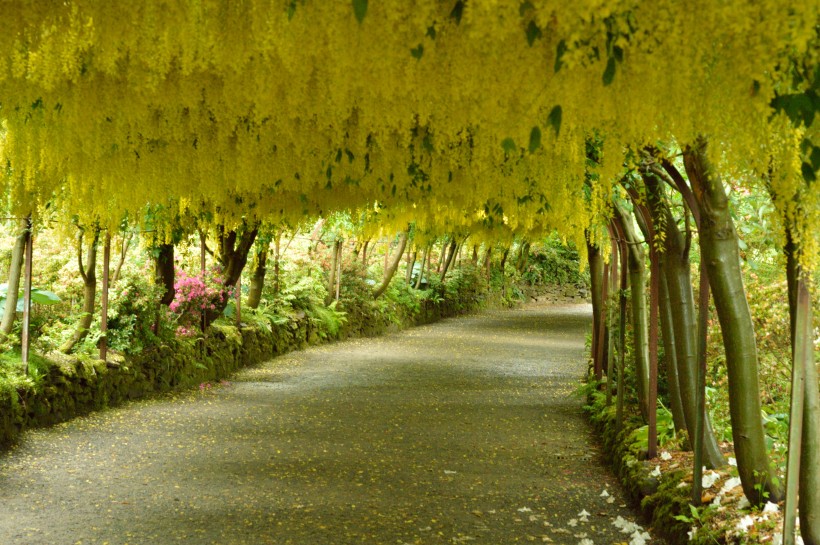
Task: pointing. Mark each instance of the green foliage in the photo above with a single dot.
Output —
(328, 319)
(665, 426)
(553, 262)
(360, 9)
(38, 296)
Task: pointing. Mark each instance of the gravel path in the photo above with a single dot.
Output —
(463, 431)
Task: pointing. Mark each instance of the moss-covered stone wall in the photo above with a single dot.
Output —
(72, 386)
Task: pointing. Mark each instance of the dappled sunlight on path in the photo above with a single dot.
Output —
(462, 431)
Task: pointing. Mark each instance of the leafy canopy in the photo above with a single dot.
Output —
(449, 112)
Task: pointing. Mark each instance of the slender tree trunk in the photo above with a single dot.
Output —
(719, 249)
(165, 272)
(233, 249)
(670, 357)
(809, 475)
(675, 266)
(611, 318)
(126, 244)
(411, 262)
(104, 298)
(89, 276)
(503, 263)
(450, 256)
(443, 256)
(391, 267)
(257, 283)
(13, 288)
(364, 255)
(339, 270)
(424, 259)
(640, 312)
(809, 500)
(523, 257)
(277, 239)
(334, 266)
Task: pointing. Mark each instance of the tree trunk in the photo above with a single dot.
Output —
(126, 243)
(443, 256)
(675, 266)
(450, 256)
(13, 288)
(165, 272)
(89, 276)
(523, 257)
(503, 263)
(364, 255)
(809, 500)
(425, 257)
(331, 277)
(392, 265)
(809, 475)
(257, 283)
(411, 262)
(277, 239)
(488, 261)
(670, 357)
(636, 264)
(233, 250)
(719, 248)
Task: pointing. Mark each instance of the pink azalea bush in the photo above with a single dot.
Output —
(195, 295)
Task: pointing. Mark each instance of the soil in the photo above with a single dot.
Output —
(465, 431)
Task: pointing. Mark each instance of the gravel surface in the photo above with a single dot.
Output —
(465, 431)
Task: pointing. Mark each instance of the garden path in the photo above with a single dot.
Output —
(465, 431)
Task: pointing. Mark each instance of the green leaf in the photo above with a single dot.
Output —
(797, 106)
(431, 31)
(808, 172)
(815, 157)
(562, 48)
(417, 52)
(533, 32)
(509, 145)
(618, 53)
(360, 9)
(44, 297)
(427, 144)
(525, 8)
(609, 73)
(535, 139)
(554, 119)
(458, 11)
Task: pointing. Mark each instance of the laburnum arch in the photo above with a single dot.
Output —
(497, 116)
(267, 107)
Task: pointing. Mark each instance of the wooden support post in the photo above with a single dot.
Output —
(622, 247)
(239, 301)
(202, 252)
(599, 356)
(25, 341)
(104, 297)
